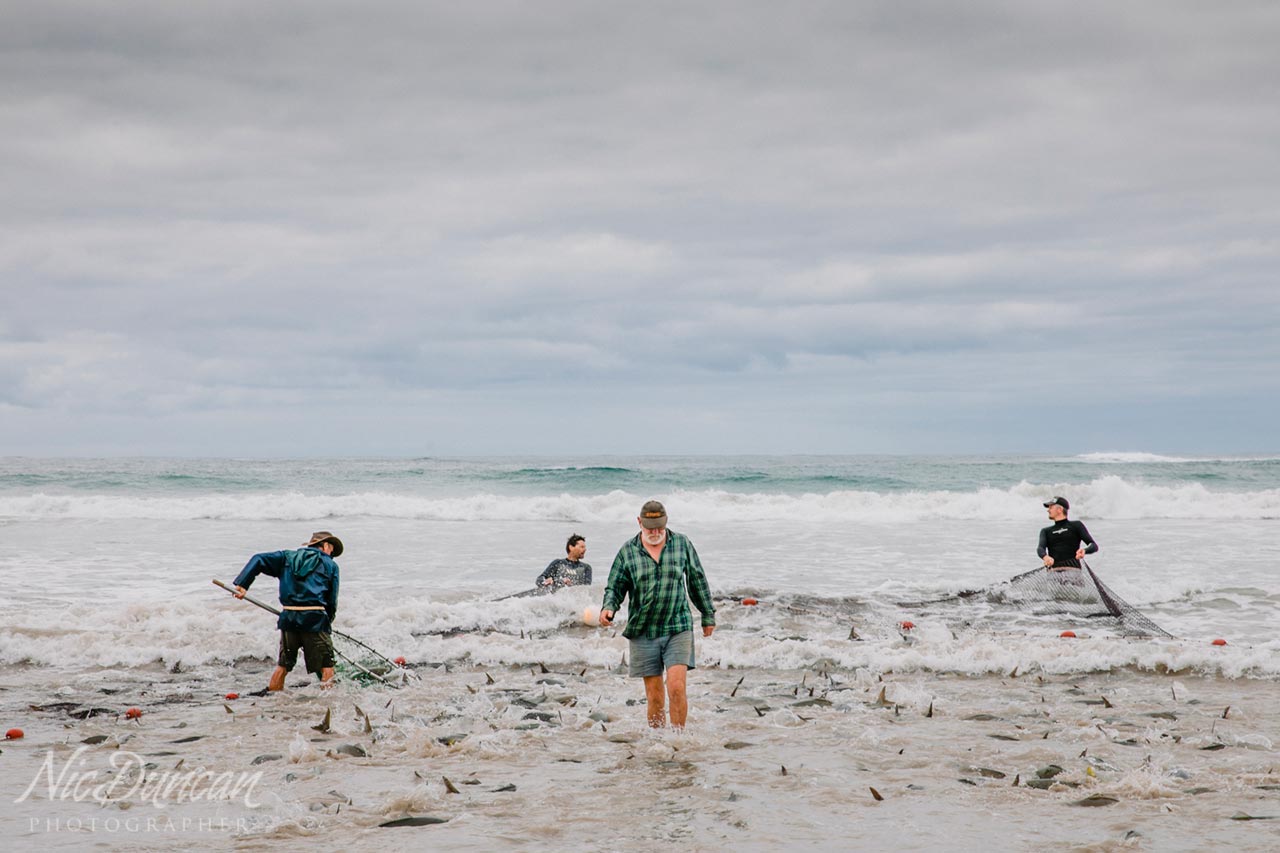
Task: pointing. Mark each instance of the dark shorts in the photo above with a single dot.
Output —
(318, 649)
(655, 655)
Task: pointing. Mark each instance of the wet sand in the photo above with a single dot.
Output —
(541, 760)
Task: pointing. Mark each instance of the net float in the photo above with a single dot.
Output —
(133, 714)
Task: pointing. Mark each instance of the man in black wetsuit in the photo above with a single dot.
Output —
(1060, 543)
(569, 570)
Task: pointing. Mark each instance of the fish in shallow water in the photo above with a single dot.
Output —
(1095, 801)
(415, 821)
(324, 724)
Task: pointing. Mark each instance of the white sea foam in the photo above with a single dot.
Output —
(1140, 458)
(1130, 458)
(525, 632)
(1103, 497)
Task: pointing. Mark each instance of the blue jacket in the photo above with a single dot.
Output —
(308, 578)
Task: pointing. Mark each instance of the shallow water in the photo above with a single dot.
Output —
(947, 776)
(114, 609)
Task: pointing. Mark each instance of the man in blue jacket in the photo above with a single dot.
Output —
(308, 601)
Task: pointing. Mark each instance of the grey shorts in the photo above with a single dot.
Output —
(655, 655)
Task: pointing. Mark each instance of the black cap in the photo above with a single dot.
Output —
(1060, 501)
(653, 515)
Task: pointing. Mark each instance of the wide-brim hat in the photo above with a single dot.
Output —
(653, 515)
(322, 536)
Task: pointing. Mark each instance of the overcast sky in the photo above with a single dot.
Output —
(247, 228)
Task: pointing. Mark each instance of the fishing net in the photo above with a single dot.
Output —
(365, 665)
(360, 668)
(863, 618)
(1078, 593)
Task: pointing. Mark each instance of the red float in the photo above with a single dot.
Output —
(1219, 642)
(750, 602)
(400, 661)
(134, 713)
(233, 695)
(14, 734)
(1071, 634)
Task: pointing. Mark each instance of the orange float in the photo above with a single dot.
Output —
(133, 714)
(14, 734)
(1070, 634)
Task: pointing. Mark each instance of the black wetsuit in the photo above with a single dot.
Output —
(1061, 540)
(565, 572)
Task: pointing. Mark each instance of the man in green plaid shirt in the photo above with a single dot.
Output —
(655, 569)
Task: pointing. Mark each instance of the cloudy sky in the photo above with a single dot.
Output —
(246, 228)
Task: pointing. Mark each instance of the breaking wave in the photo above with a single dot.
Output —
(1139, 458)
(1110, 497)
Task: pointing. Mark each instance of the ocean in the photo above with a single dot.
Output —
(109, 604)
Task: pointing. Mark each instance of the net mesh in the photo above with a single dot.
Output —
(361, 664)
(1077, 593)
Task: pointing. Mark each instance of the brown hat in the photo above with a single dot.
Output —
(325, 536)
(653, 515)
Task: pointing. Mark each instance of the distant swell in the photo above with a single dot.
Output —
(568, 471)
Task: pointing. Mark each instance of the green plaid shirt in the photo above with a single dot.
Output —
(659, 607)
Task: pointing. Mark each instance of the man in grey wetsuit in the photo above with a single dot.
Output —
(1060, 544)
(569, 570)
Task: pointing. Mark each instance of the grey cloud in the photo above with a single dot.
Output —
(211, 206)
